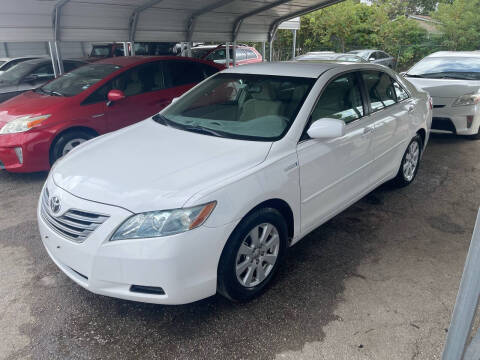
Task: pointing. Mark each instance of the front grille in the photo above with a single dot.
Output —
(75, 225)
(438, 106)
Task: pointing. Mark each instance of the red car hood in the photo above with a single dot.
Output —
(29, 104)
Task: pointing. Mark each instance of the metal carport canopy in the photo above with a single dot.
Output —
(148, 20)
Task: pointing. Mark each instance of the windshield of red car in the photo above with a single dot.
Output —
(79, 80)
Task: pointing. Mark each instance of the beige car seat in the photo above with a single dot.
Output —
(260, 104)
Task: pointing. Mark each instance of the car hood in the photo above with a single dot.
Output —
(149, 166)
(29, 104)
(446, 88)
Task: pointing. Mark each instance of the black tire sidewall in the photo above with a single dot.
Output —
(57, 148)
(228, 284)
(400, 179)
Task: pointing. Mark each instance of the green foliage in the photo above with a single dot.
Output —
(460, 21)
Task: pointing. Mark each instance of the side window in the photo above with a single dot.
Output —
(372, 56)
(141, 79)
(341, 99)
(379, 88)
(240, 54)
(180, 73)
(250, 54)
(119, 51)
(400, 92)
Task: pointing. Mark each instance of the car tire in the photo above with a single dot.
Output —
(66, 142)
(410, 162)
(244, 271)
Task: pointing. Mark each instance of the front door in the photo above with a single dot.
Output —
(334, 172)
(145, 95)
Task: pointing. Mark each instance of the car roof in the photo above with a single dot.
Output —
(287, 68)
(455, 53)
(134, 60)
(47, 60)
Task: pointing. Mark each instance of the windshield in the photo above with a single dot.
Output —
(240, 106)
(78, 80)
(102, 51)
(16, 73)
(463, 68)
(362, 53)
(317, 57)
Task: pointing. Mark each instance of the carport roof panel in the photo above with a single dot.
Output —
(163, 20)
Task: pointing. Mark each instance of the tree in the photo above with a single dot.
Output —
(460, 24)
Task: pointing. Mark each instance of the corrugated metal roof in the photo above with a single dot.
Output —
(160, 20)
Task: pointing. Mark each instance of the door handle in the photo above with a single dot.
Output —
(411, 108)
(97, 116)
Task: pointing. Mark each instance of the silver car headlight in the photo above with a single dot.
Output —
(467, 99)
(163, 223)
(23, 124)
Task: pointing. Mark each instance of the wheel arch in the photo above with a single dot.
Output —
(68, 130)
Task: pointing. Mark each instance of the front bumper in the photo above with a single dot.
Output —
(34, 149)
(183, 265)
(455, 119)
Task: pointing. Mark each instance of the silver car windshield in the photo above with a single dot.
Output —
(240, 106)
(451, 67)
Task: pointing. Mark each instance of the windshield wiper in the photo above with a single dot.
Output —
(415, 76)
(162, 120)
(203, 130)
(52, 92)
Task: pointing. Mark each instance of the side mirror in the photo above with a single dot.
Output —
(326, 128)
(115, 95)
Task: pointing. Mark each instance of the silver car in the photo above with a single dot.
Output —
(376, 57)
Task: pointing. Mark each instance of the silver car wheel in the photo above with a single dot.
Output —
(71, 144)
(411, 161)
(257, 255)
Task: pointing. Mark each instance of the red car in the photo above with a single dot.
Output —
(40, 126)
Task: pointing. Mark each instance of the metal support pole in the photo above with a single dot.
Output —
(467, 302)
(189, 48)
(132, 48)
(58, 53)
(294, 52)
(270, 45)
(227, 54)
(264, 52)
(5, 49)
(234, 54)
(53, 57)
(125, 48)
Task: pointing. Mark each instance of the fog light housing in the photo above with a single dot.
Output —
(19, 152)
(469, 121)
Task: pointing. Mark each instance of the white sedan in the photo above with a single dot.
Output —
(453, 80)
(208, 195)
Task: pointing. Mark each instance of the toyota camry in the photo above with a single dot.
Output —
(208, 195)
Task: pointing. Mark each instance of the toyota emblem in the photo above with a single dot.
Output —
(55, 204)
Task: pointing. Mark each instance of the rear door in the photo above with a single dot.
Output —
(389, 106)
(334, 172)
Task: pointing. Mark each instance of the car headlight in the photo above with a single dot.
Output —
(467, 99)
(23, 124)
(163, 223)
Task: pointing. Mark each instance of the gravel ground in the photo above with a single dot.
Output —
(376, 282)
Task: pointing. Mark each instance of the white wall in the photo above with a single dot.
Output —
(68, 49)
